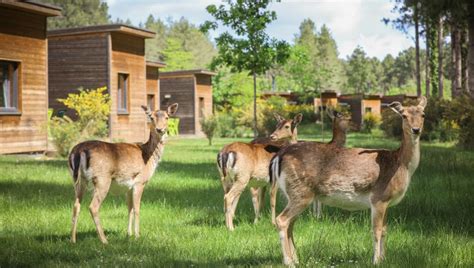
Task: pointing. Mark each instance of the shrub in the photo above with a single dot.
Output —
(92, 108)
(461, 111)
(370, 121)
(209, 125)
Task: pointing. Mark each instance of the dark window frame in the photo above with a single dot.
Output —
(13, 68)
(125, 92)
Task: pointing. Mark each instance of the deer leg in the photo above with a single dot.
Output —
(130, 212)
(137, 196)
(285, 222)
(230, 202)
(382, 240)
(317, 209)
(258, 194)
(273, 196)
(226, 186)
(378, 214)
(101, 188)
(79, 193)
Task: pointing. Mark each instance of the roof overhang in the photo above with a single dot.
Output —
(156, 64)
(120, 28)
(187, 72)
(33, 7)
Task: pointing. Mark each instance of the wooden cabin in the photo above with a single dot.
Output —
(153, 84)
(192, 89)
(328, 98)
(402, 98)
(23, 76)
(97, 56)
(360, 104)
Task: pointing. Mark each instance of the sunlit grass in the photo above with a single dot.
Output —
(182, 221)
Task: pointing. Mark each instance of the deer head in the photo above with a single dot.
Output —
(340, 120)
(413, 116)
(159, 118)
(286, 128)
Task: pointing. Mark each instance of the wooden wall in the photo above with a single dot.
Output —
(375, 105)
(181, 89)
(23, 39)
(152, 84)
(128, 56)
(76, 61)
(203, 90)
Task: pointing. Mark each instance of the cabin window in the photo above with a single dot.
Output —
(9, 86)
(201, 107)
(122, 94)
(368, 110)
(150, 101)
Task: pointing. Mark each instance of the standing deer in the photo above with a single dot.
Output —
(121, 167)
(341, 123)
(352, 179)
(241, 164)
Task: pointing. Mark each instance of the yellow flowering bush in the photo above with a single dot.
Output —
(93, 108)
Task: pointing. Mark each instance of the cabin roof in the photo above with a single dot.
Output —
(130, 30)
(157, 64)
(187, 72)
(33, 7)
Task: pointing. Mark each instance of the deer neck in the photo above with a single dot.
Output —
(409, 152)
(154, 144)
(338, 137)
(294, 137)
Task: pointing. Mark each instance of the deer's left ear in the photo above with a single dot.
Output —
(144, 108)
(278, 117)
(422, 102)
(172, 109)
(396, 107)
(297, 119)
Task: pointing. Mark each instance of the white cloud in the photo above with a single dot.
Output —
(351, 22)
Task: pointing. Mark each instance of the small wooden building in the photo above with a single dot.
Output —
(328, 98)
(97, 56)
(153, 84)
(387, 99)
(360, 104)
(23, 76)
(192, 89)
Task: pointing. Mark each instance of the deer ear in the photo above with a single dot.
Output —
(422, 102)
(278, 117)
(144, 108)
(330, 113)
(396, 107)
(172, 109)
(297, 119)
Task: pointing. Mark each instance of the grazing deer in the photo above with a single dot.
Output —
(348, 178)
(121, 167)
(341, 123)
(241, 164)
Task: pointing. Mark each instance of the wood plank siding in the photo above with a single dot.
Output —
(180, 90)
(95, 56)
(192, 89)
(23, 41)
(128, 57)
(77, 61)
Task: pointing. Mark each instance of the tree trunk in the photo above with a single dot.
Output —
(427, 63)
(464, 61)
(470, 63)
(433, 60)
(440, 59)
(456, 85)
(417, 50)
(255, 131)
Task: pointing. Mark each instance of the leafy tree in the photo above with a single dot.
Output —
(79, 13)
(176, 58)
(250, 49)
(154, 47)
(328, 59)
(358, 72)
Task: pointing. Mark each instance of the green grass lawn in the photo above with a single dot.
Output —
(182, 219)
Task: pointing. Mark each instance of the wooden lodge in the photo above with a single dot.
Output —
(106, 55)
(23, 76)
(153, 84)
(192, 89)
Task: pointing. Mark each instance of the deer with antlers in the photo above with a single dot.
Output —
(121, 167)
(241, 164)
(348, 178)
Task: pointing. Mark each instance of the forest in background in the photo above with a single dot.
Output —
(313, 65)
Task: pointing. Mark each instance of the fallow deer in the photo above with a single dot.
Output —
(120, 167)
(348, 178)
(341, 123)
(241, 164)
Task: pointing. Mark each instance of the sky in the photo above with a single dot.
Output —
(352, 22)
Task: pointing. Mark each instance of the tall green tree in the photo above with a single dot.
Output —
(154, 47)
(79, 13)
(358, 72)
(176, 58)
(250, 48)
(328, 60)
